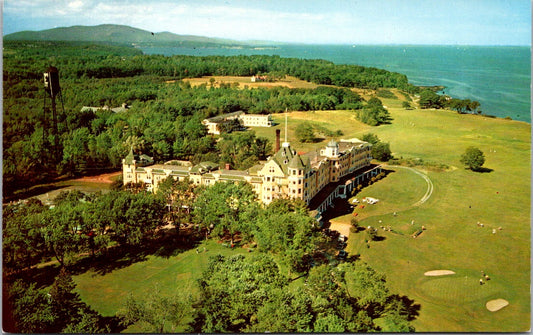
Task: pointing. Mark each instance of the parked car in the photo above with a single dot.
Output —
(341, 245)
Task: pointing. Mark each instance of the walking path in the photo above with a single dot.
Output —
(429, 190)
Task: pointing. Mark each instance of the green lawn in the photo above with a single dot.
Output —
(107, 293)
(452, 240)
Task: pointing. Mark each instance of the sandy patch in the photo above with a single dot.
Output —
(103, 178)
(342, 228)
(439, 273)
(497, 304)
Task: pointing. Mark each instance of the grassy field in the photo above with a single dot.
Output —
(452, 240)
(243, 82)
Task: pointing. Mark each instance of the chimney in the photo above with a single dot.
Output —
(278, 132)
(228, 166)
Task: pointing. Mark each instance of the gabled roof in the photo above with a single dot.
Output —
(234, 178)
(223, 117)
(179, 173)
(145, 159)
(204, 167)
(283, 157)
(297, 163)
(255, 169)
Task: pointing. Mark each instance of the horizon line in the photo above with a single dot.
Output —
(256, 41)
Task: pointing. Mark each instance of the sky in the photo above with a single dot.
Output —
(465, 22)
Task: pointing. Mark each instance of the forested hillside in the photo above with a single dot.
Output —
(164, 118)
(117, 34)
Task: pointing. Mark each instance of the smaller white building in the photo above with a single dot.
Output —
(247, 120)
(256, 120)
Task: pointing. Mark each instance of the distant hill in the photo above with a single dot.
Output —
(117, 34)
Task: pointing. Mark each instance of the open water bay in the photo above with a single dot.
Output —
(499, 77)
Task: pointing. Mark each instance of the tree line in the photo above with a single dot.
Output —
(430, 99)
(126, 62)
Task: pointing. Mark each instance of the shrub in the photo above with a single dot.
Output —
(384, 93)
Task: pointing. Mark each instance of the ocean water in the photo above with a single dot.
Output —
(499, 77)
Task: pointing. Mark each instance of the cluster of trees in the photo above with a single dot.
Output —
(430, 99)
(243, 150)
(54, 310)
(307, 132)
(228, 209)
(374, 113)
(380, 150)
(76, 224)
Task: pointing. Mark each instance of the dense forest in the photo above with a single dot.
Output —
(164, 118)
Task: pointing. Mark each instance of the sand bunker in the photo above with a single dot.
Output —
(439, 273)
(497, 304)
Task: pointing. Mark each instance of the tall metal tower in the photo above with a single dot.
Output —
(52, 91)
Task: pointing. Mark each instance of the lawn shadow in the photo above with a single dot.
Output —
(41, 276)
(317, 139)
(107, 261)
(340, 207)
(24, 193)
(483, 170)
(164, 244)
(409, 306)
(379, 238)
(113, 323)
